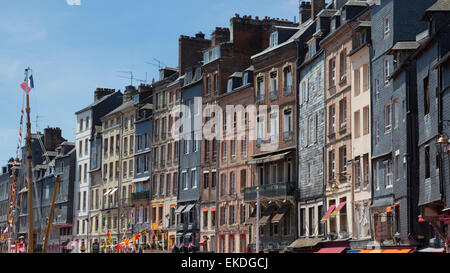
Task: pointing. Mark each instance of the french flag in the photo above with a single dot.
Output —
(30, 84)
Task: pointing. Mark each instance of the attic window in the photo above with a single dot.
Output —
(274, 39)
(230, 85)
(245, 81)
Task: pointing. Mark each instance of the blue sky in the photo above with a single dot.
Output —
(75, 49)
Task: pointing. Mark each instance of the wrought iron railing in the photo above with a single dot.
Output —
(269, 190)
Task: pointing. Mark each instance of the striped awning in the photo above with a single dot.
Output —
(329, 211)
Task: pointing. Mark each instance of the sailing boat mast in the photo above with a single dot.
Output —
(30, 170)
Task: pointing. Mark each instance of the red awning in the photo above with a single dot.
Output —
(213, 209)
(205, 209)
(331, 250)
(341, 205)
(330, 210)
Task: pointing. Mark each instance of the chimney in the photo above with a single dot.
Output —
(129, 92)
(52, 138)
(200, 35)
(220, 35)
(316, 7)
(190, 50)
(99, 93)
(305, 12)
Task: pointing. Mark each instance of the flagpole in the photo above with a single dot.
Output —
(30, 174)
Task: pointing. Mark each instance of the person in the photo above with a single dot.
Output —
(83, 247)
(95, 246)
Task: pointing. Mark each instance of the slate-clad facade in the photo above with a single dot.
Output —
(394, 132)
(433, 80)
(190, 170)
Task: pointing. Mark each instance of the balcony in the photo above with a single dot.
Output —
(110, 205)
(140, 196)
(287, 90)
(278, 190)
(273, 94)
(181, 227)
(288, 135)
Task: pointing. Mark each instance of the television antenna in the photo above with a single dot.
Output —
(131, 76)
(156, 63)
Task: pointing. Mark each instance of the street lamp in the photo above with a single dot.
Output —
(258, 211)
(442, 144)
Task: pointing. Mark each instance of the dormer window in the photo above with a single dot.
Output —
(245, 80)
(230, 85)
(206, 57)
(312, 49)
(274, 39)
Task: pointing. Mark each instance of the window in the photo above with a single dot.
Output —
(308, 172)
(357, 84)
(287, 78)
(185, 180)
(366, 77)
(273, 39)
(386, 26)
(233, 149)
(194, 178)
(224, 151)
(311, 221)
(332, 75)
(357, 124)
(377, 89)
(343, 159)
(387, 173)
(357, 173)
(216, 81)
(377, 132)
(205, 180)
(273, 85)
(302, 222)
(343, 65)
(397, 167)
(331, 165)
(426, 100)
(396, 113)
(387, 71)
(230, 85)
(332, 118)
(312, 127)
(245, 79)
(287, 123)
(366, 120)
(343, 113)
(273, 127)
(232, 215)
(260, 89)
(223, 182)
(232, 183)
(242, 214)
(427, 162)
(387, 117)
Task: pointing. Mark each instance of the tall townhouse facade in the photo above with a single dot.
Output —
(111, 144)
(235, 173)
(188, 202)
(433, 79)
(89, 123)
(361, 139)
(140, 196)
(339, 184)
(273, 162)
(230, 52)
(126, 167)
(5, 177)
(164, 182)
(87, 118)
(311, 122)
(63, 166)
(395, 190)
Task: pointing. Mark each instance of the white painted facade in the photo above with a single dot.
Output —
(82, 177)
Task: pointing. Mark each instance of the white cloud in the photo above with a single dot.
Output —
(73, 2)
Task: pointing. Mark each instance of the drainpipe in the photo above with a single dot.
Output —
(369, 44)
(297, 126)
